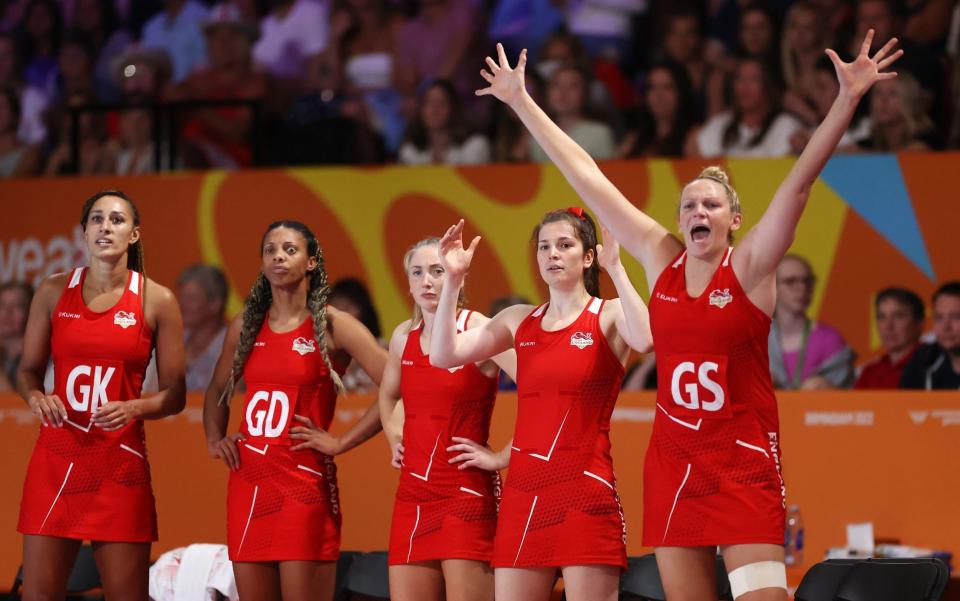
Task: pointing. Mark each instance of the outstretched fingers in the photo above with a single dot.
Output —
(502, 55)
(867, 42)
(889, 60)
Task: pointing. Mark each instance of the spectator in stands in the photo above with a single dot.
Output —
(220, 137)
(755, 126)
(293, 37)
(801, 49)
(666, 116)
(94, 156)
(758, 36)
(438, 133)
(936, 366)
(604, 26)
(177, 31)
(511, 144)
(16, 158)
(822, 92)
(900, 316)
(33, 100)
(15, 300)
(929, 22)
(898, 121)
(804, 354)
(133, 151)
(142, 74)
(568, 106)
(350, 295)
(76, 64)
(97, 22)
(684, 43)
(40, 33)
(438, 44)
(202, 292)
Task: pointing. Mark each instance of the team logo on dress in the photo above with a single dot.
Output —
(303, 345)
(581, 340)
(720, 298)
(124, 319)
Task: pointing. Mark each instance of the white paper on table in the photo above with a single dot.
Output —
(860, 537)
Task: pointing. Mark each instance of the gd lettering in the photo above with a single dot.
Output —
(261, 419)
(93, 393)
(690, 397)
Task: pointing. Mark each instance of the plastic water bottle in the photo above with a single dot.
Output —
(793, 537)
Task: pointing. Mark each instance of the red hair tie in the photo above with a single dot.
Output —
(576, 211)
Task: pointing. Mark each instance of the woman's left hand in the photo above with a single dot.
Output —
(314, 438)
(115, 415)
(857, 76)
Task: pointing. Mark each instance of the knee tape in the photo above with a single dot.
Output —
(758, 575)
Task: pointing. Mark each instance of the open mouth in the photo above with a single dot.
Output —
(699, 233)
(103, 242)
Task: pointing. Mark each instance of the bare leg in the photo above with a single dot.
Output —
(591, 582)
(468, 580)
(124, 570)
(47, 562)
(308, 580)
(524, 584)
(688, 573)
(735, 556)
(422, 581)
(257, 581)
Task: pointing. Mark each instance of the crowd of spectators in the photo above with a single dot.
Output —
(370, 81)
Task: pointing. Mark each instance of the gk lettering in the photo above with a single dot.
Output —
(93, 394)
(260, 420)
(690, 397)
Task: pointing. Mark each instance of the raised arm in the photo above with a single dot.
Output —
(643, 237)
(170, 397)
(766, 243)
(633, 319)
(447, 347)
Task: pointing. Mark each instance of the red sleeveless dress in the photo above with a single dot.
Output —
(712, 471)
(442, 512)
(560, 504)
(281, 504)
(82, 482)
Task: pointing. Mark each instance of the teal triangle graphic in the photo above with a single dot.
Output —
(873, 186)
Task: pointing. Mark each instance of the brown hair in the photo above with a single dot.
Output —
(258, 303)
(407, 257)
(586, 231)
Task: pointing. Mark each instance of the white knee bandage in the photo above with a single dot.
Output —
(755, 576)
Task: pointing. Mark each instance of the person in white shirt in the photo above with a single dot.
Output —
(292, 39)
(438, 135)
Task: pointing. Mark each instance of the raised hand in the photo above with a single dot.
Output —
(506, 83)
(608, 253)
(857, 76)
(455, 258)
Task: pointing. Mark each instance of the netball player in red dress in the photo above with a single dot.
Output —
(560, 508)
(89, 478)
(283, 509)
(444, 518)
(712, 472)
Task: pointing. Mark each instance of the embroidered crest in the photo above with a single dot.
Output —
(124, 319)
(303, 345)
(581, 340)
(720, 298)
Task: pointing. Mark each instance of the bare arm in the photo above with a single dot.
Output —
(633, 318)
(351, 336)
(765, 244)
(216, 415)
(36, 353)
(447, 347)
(646, 239)
(389, 395)
(507, 360)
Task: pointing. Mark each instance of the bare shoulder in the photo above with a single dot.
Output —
(158, 293)
(50, 290)
(476, 319)
(398, 339)
(512, 316)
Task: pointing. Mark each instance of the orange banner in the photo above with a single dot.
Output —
(886, 458)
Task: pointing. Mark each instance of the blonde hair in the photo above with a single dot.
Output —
(715, 173)
(916, 122)
(407, 257)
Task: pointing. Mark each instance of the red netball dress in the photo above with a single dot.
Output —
(560, 504)
(442, 512)
(282, 504)
(82, 482)
(712, 471)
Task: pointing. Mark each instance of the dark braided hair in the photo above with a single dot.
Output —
(258, 303)
(586, 231)
(135, 250)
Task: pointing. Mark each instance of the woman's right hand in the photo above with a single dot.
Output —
(608, 253)
(455, 258)
(396, 459)
(472, 454)
(226, 449)
(506, 83)
(49, 408)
